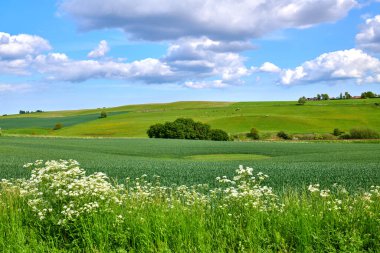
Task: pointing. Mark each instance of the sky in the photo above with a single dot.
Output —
(76, 54)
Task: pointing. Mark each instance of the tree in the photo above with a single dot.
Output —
(254, 134)
(341, 96)
(368, 94)
(103, 114)
(184, 128)
(218, 135)
(347, 95)
(325, 96)
(337, 132)
(318, 97)
(302, 100)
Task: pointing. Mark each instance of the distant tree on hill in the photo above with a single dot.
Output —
(218, 135)
(347, 95)
(325, 96)
(368, 94)
(318, 97)
(184, 128)
(302, 100)
(103, 114)
(254, 134)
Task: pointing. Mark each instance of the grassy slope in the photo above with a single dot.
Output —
(134, 120)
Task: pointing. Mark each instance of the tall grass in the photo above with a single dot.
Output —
(241, 215)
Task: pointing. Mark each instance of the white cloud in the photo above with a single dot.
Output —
(347, 64)
(216, 19)
(101, 50)
(14, 87)
(20, 46)
(58, 67)
(269, 67)
(369, 36)
(203, 57)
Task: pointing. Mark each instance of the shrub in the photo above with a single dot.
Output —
(58, 126)
(301, 100)
(363, 133)
(218, 135)
(337, 132)
(283, 135)
(103, 114)
(254, 134)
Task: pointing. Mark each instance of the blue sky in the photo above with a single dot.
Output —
(72, 54)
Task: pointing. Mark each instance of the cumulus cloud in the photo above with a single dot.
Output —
(339, 65)
(203, 57)
(269, 67)
(216, 19)
(20, 46)
(58, 67)
(369, 36)
(100, 51)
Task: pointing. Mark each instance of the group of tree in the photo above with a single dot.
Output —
(27, 112)
(186, 128)
(368, 94)
(357, 133)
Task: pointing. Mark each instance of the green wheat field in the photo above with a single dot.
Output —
(128, 193)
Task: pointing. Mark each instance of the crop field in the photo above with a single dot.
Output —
(267, 117)
(55, 207)
(289, 164)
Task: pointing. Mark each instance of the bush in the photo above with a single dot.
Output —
(301, 100)
(183, 128)
(254, 134)
(58, 126)
(283, 135)
(103, 114)
(363, 133)
(218, 135)
(337, 132)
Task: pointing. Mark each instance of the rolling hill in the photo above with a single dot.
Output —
(233, 117)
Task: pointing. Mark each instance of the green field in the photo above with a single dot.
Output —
(355, 165)
(235, 118)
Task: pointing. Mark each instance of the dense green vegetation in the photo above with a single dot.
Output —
(268, 117)
(60, 209)
(355, 165)
(182, 128)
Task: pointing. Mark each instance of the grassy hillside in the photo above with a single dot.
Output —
(134, 120)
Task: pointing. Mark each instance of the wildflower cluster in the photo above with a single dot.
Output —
(245, 191)
(61, 191)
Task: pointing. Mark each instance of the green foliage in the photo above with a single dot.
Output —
(364, 133)
(337, 132)
(185, 128)
(103, 114)
(240, 214)
(302, 100)
(254, 134)
(218, 135)
(284, 135)
(325, 96)
(58, 126)
(368, 94)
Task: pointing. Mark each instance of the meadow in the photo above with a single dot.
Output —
(235, 118)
